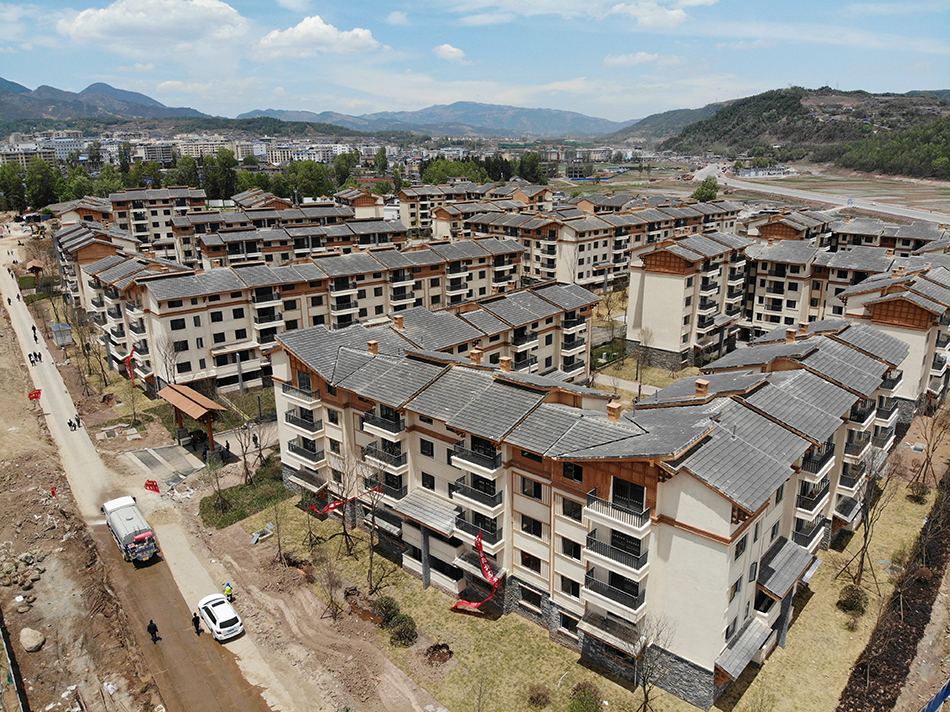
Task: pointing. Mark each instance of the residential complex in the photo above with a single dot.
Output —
(701, 510)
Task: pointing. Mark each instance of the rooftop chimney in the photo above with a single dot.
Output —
(790, 335)
(476, 356)
(702, 388)
(505, 362)
(802, 329)
(890, 252)
(372, 347)
(399, 322)
(613, 412)
(771, 243)
(898, 271)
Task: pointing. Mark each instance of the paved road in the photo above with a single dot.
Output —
(860, 203)
(191, 673)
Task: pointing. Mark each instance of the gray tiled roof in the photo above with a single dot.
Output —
(500, 247)
(552, 379)
(814, 389)
(496, 410)
(392, 259)
(345, 265)
(684, 390)
(103, 264)
(436, 330)
(862, 258)
(785, 251)
(392, 380)
(924, 303)
(430, 510)
(821, 326)
(121, 270)
(567, 296)
(519, 308)
(845, 366)
(461, 250)
(875, 342)
(743, 647)
(782, 565)
(451, 392)
(802, 415)
(761, 355)
(485, 322)
(319, 347)
(423, 257)
(184, 287)
(932, 291)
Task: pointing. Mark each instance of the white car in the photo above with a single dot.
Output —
(220, 617)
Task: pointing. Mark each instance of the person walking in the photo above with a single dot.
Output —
(153, 631)
(229, 592)
(196, 622)
(70, 424)
(36, 339)
(78, 422)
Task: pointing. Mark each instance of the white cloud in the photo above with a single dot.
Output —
(311, 36)
(652, 15)
(756, 44)
(884, 9)
(141, 26)
(449, 53)
(630, 60)
(487, 18)
(295, 5)
(138, 67)
(397, 18)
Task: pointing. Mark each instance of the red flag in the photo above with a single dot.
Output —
(333, 506)
(489, 576)
(128, 365)
(54, 491)
(35, 394)
(151, 486)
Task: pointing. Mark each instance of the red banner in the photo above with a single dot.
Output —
(53, 491)
(35, 394)
(128, 366)
(333, 506)
(151, 486)
(489, 576)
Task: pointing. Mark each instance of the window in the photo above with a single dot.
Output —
(573, 472)
(427, 448)
(775, 531)
(334, 446)
(331, 390)
(448, 455)
(779, 493)
(532, 598)
(548, 362)
(237, 313)
(528, 455)
(570, 548)
(735, 589)
(197, 320)
(571, 588)
(336, 475)
(428, 481)
(549, 339)
(569, 623)
(379, 308)
(290, 325)
(177, 324)
(377, 291)
(434, 282)
(180, 346)
(316, 301)
(290, 305)
(240, 334)
(217, 316)
(184, 367)
(755, 531)
(211, 297)
(530, 526)
(175, 303)
(333, 416)
(218, 338)
(530, 488)
(753, 571)
(194, 301)
(571, 509)
(530, 561)
(740, 547)
(731, 630)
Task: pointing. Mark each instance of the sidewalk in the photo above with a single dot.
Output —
(632, 386)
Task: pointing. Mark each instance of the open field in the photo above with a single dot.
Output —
(929, 195)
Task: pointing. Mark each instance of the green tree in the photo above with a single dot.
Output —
(125, 157)
(220, 174)
(279, 185)
(152, 175)
(440, 170)
(310, 179)
(94, 153)
(186, 172)
(12, 190)
(397, 179)
(707, 190)
(108, 181)
(382, 162)
(78, 184)
(135, 176)
(250, 161)
(343, 166)
(43, 184)
(383, 187)
(529, 168)
(72, 159)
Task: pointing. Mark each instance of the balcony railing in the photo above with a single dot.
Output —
(268, 318)
(619, 555)
(810, 501)
(860, 412)
(137, 328)
(377, 453)
(490, 461)
(850, 476)
(618, 511)
(343, 286)
(573, 343)
(457, 268)
(114, 312)
(309, 455)
(98, 302)
(886, 413)
(262, 298)
(464, 490)
(392, 426)
(311, 426)
(940, 362)
(526, 337)
(629, 600)
(708, 287)
(815, 462)
(133, 307)
(489, 537)
(892, 380)
(882, 440)
(388, 490)
(403, 296)
(805, 537)
(292, 390)
(524, 363)
(498, 278)
(571, 367)
(856, 447)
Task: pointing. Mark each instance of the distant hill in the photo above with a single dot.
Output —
(462, 118)
(664, 124)
(804, 117)
(95, 101)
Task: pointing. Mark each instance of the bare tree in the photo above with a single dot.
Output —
(611, 303)
(132, 398)
(328, 581)
(759, 699)
(266, 435)
(275, 513)
(351, 469)
(643, 357)
(483, 693)
(376, 574)
(879, 491)
(167, 357)
(653, 662)
(246, 440)
(934, 431)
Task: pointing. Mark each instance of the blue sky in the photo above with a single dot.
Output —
(609, 58)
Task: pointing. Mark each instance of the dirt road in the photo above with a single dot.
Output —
(191, 673)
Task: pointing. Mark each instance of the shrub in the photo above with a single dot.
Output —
(386, 608)
(402, 630)
(918, 492)
(539, 696)
(585, 697)
(853, 598)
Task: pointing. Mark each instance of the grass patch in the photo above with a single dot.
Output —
(27, 281)
(142, 421)
(245, 500)
(255, 403)
(610, 351)
(649, 375)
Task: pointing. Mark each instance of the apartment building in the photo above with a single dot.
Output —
(147, 213)
(365, 205)
(704, 277)
(256, 198)
(903, 239)
(84, 243)
(449, 221)
(600, 523)
(807, 225)
(417, 205)
(89, 209)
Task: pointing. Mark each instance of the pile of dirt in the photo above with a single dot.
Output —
(437, 654)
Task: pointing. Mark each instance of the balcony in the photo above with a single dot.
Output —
(884, 439)
(707, 305)
(631, 561)
(141, 347)
(344, 306)
(375, 452)
(344, 287)
(573, 344)
(301, 394)
(133, 308)
(456, 268)
(387, 424)
(816, 462)
(945, 319)
(118, 333)
(572, 367)
(313, 456)
(705, 322)
(887, 414)
(851, 475)
(456, 287)
(401, 278)
(112, 294)
(810, 501)
(93, 283)
(861, 412)
(939, 364)
(500, 278)
(857, 448)
(268, 318)
(628, 600)
(892, 380)
(402, 297)
(573, 323)
(709, 267)
(778, 289)
(311, 426)
(114, 312)
(460, 489)
(525, 339)
(806, 537)
(736, 275)
(137, 327)
(708, 287)
(490, 461)
(387, 490)
(942, 340)
(524, 363)
(97, 302)
(488, 537)
(734, 293)
(611, 512)
(261, 299)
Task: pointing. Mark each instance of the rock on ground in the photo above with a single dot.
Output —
(31, 640)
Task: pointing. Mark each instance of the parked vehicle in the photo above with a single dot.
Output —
(220, 617)
(132, 533)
